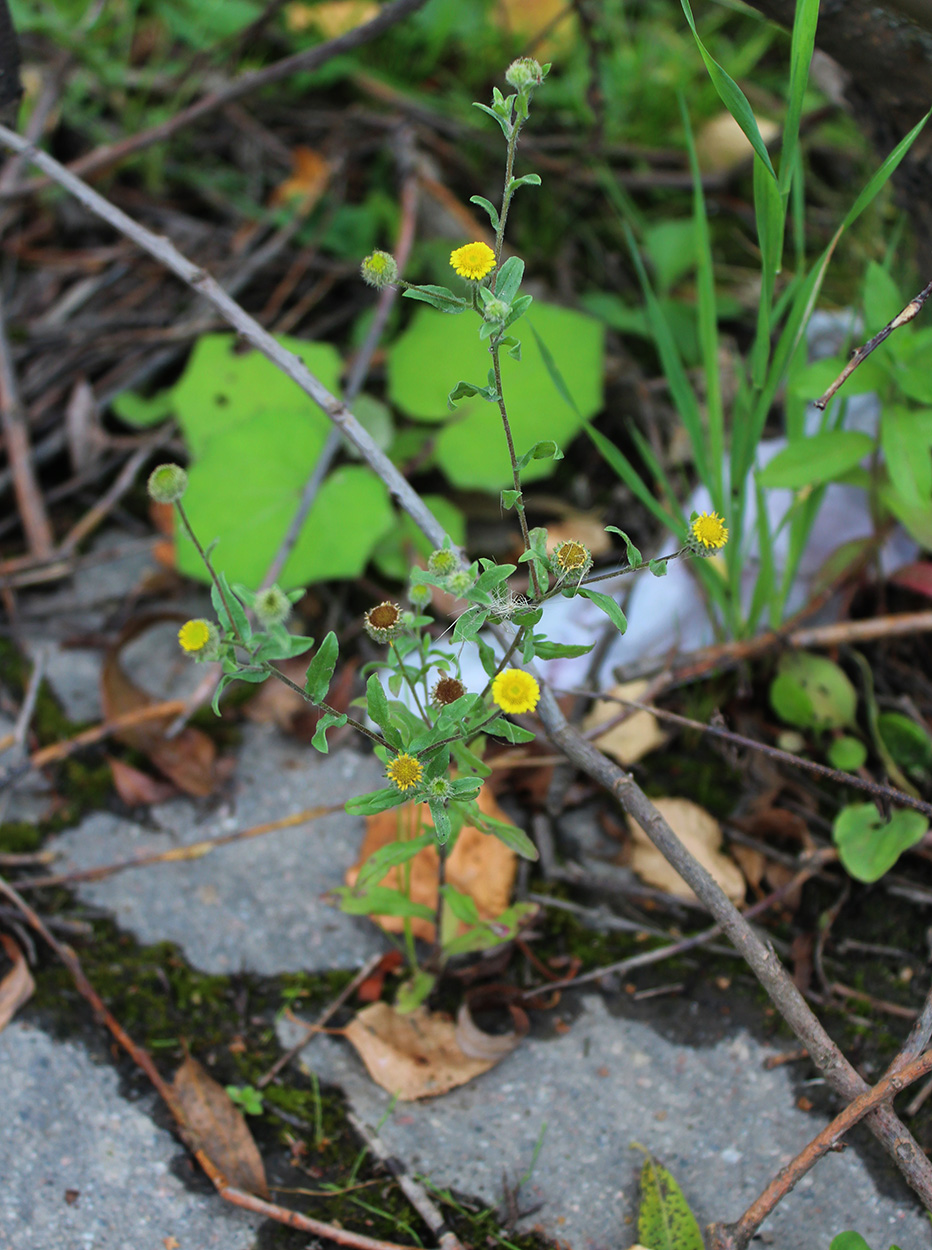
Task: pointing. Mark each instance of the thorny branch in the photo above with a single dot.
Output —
(838, 1072)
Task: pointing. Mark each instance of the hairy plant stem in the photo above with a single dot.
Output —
(515, 474)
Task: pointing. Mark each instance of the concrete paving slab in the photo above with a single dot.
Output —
(83, 1168)
(254, 905)
(720, 1121)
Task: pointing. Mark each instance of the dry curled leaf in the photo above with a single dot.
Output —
(701, 835)
(479, 865)
(634, 737)
(17, 986)
(415, 1055)
(218, 1128)
(310, 173)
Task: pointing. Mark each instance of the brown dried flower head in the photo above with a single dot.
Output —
(447, 690)
(383, 622)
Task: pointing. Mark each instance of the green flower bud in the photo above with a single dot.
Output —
(439, 789)
(460, 583)
(495, 310)
(379, 269)
(524, 74)
(419, 595)
(442, 562)
(272, 606)
(167, 483)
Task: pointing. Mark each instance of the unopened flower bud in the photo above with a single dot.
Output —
(495, 310)
(524, 74)
(272, 606)
(167, 483)
(460, 583)
(379, 269)
(442, 561)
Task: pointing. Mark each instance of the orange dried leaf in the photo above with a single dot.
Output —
(17, 986)
(310, 174)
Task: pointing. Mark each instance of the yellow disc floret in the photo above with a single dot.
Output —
(708, 532)
(405, 771)
(194, 636)
(515, 691)
(473, 261)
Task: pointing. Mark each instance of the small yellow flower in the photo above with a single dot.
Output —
(194, 636)
(708, 532)
(473, 261)
(515, 691)
(405, 771)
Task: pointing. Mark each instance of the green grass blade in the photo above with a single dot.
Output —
(801, 48)
(708, 326)
(620, 463)
(684, 398)
(731, 95)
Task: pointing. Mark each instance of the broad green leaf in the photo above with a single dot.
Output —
(850, 1241)
(665, 1221)
(868, 845)
(508, 279)
(821, 458)
(502, 728)
(547, 650)
(463, 906)
(440, 816)
(812, 692)
(320, 669)
(428, 358)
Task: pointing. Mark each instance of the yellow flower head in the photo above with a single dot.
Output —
(572, 558)
(708, 533)
(515, 691)
(194, 636)
(473, 261)
(405, 771)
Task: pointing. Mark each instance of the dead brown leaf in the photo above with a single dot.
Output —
(218, 1128)
(412, 1056)
(633, 738)
(332, 18)
(135, 787)
(188, 759)
(17, 986)
(479, 865)
(701, 834)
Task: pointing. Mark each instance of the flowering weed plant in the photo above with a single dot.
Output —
(427, 727)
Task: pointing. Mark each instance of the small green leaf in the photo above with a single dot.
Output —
(546, 449)
(658, 567)
(869, 846)
(812, 692)
(547, 650)
(528, 180)
(320, 669)
(380, 900)
(375, 801)
(489, 208)
(501, 728)
(608, 606)
(468, 625)
(465, 390)
(510, 498)
(329, 720)
(441, 819)
(382, 861)
(508, 279)
(665, 1221)
(439, 297)
(634, 556)
(850, 1241)
(847, 753)
(463, 906)
(513, 837)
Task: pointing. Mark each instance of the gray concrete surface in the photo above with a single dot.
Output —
(83, 1168)
(720, 1121)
